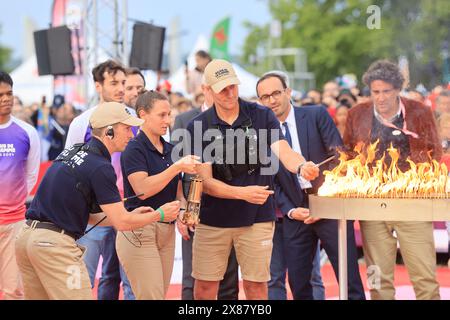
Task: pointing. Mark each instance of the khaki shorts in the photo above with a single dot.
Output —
(253, 246)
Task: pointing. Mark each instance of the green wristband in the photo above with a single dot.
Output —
(161, 213)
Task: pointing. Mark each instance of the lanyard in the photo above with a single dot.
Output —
(404, 129)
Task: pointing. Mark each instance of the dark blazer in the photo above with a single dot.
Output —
(419, 119)
(318, 137)
(183, 119)
(181, 122)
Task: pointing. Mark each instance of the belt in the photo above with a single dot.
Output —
(49, 226)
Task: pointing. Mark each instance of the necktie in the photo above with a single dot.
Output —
(287, 133)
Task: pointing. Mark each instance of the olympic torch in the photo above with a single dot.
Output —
(191, 216)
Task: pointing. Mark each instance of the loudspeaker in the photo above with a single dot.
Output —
(147, 46)
(54, 51)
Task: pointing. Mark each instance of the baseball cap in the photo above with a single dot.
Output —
(109, 113)
(58, 101)
(220, 74)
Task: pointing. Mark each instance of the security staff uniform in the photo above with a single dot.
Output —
(227, 223)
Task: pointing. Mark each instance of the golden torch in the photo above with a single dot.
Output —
(191, 216)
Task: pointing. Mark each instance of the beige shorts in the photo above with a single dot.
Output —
(253, 246)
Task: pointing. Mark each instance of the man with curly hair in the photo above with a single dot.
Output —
(410, 127)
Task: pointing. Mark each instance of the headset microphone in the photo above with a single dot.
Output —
(110, 132)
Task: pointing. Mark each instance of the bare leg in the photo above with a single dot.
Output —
(255, 290)
(205, 290)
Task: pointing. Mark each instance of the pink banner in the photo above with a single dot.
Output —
(70, 13)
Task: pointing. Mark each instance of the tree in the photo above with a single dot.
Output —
(420, 30)
(338, 40)
(431, 37)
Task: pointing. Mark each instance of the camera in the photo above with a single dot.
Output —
(226, 171)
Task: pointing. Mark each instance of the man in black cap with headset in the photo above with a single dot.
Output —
(81, 181)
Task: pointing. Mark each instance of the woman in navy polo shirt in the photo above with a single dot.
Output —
(147, 254)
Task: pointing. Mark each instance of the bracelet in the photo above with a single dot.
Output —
(161, 213)
(299, 169)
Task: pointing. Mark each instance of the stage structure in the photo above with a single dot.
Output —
(106, 34)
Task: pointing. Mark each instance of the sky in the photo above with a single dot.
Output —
(196, 17)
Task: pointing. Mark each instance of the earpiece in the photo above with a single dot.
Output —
(110, 132)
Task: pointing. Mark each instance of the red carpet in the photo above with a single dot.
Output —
(402, 283)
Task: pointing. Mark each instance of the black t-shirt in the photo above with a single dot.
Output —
(142, 156)
(59, 201)
(388, 136)
(228, 213)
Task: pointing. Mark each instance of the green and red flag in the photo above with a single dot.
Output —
(220, 39)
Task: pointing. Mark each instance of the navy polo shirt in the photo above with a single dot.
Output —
(229, 213)
(142, 156)
(58, 201)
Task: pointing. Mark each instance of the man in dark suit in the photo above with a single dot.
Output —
(311, 132)
(183, 119)
(229, 286)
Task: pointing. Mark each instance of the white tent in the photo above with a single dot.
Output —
(247, 89)
(28, 85)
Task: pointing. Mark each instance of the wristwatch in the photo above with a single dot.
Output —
(299, 169)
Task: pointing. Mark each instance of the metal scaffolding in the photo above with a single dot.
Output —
(105, 25)
(300, 78)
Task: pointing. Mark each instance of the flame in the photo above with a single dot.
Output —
(366, 177)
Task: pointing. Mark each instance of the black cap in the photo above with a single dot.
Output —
(58, 101)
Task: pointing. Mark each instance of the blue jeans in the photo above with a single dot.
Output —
(278, 268)
(127, 292)
(101, 241)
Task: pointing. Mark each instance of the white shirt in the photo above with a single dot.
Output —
(166, 136)
(379, 117)
(292, 125)
(79, 126)
(204, 107)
